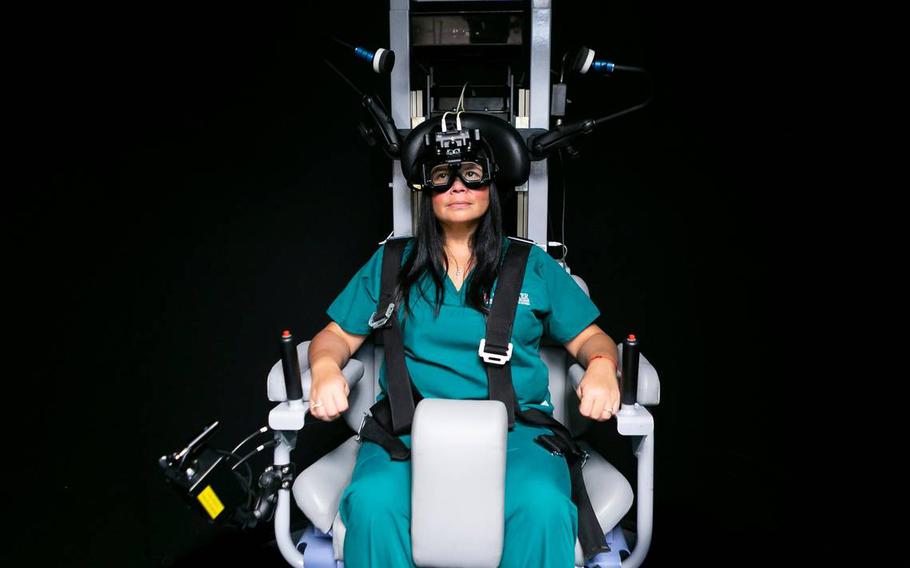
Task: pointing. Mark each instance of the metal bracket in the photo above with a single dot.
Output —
(385, 318)
(362, 422)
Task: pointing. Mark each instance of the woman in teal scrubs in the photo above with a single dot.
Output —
(458, 250)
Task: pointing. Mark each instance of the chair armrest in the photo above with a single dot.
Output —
(458, 453)
(277, 391)
(289, 415)
(648, 382)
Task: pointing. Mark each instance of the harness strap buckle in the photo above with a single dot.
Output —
(494, 358)
(366, 413)
(548, 441)
(376, 324)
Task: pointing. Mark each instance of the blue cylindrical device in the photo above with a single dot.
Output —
(382, 60)
(601, 66)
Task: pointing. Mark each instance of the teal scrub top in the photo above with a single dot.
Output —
(441, 353)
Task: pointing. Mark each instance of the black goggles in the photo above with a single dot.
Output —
(472, 173)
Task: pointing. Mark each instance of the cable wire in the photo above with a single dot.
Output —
(250, 437)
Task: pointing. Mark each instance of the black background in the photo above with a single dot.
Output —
(194, 184)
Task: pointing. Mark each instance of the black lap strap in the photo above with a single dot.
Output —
(590, 533)
(377, 428)
(372, 431)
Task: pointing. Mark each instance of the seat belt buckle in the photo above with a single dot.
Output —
(376, 324)
(493, 358)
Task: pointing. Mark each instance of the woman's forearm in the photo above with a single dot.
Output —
(598, 344)
(328, 350)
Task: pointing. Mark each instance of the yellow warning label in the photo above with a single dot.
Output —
(210, 501)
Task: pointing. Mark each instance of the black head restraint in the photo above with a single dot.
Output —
(481, 137)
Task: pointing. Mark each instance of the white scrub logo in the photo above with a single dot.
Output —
(523, 299)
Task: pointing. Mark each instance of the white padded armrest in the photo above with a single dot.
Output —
(458, 453)
(277, 390)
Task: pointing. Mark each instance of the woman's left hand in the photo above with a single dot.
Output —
(599, 390)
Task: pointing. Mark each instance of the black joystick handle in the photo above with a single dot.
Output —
(629, 369)
(291, 366)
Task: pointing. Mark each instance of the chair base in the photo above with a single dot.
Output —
(318, 552)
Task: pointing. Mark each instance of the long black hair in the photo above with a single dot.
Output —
(428, 255)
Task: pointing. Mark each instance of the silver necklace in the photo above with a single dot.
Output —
(457, 266)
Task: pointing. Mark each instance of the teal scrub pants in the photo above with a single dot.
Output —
(541, 522)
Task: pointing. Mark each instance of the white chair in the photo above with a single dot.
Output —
(318, 489)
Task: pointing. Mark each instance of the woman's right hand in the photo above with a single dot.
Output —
(330, 388)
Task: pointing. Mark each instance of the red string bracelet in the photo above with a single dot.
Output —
(604, 356)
